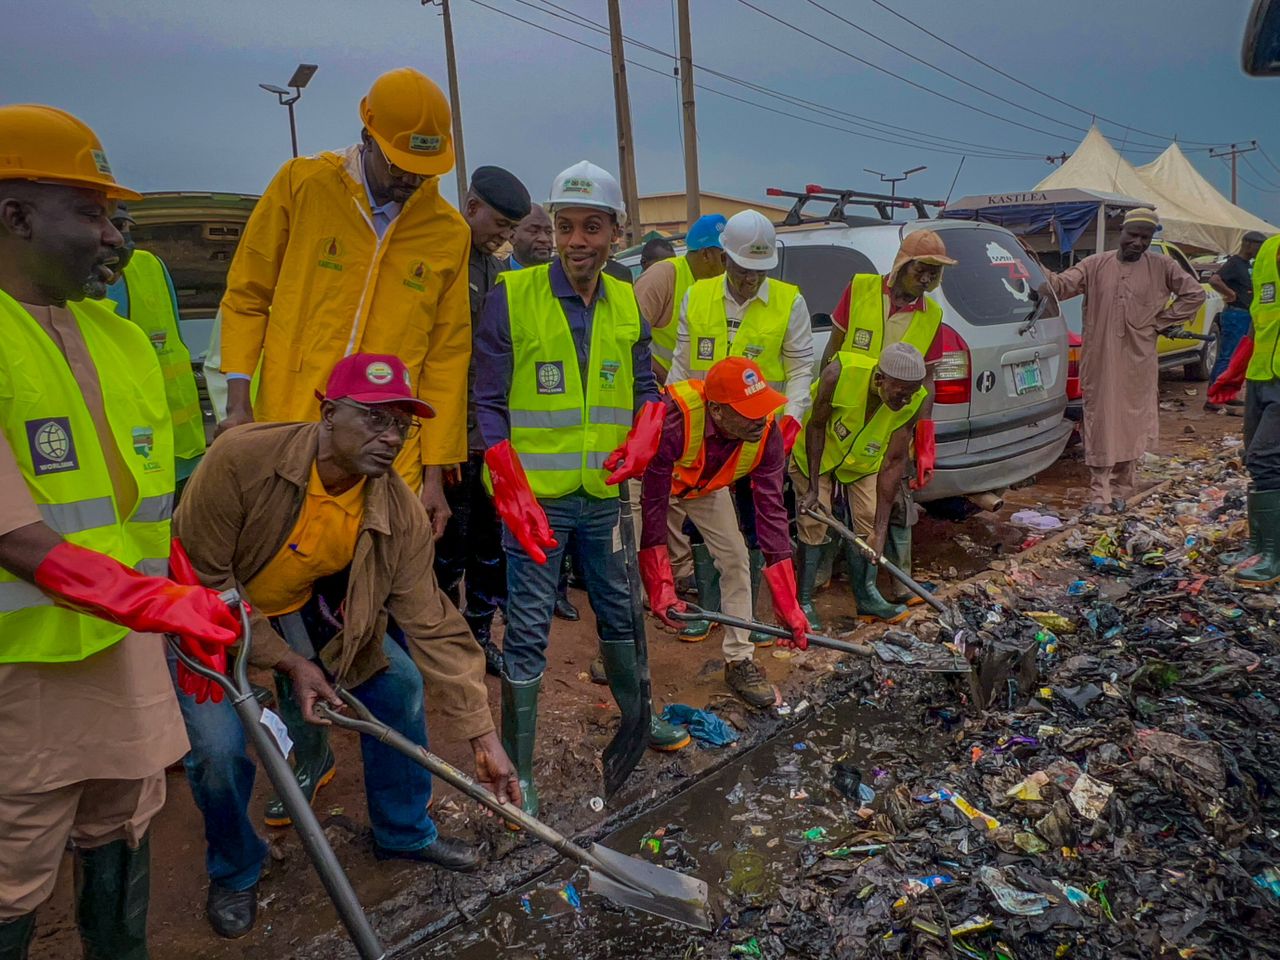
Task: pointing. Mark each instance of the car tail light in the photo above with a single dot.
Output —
(1073, 367)
(952, 379)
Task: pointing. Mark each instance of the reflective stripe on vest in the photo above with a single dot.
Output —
(855, 446)
(1265, 311)
(759, 337)
(865, 335)
(151, 309)
(564, 429)
(687, 480)
(55, 442)
(664, 338)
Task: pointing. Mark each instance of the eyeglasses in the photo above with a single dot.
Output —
(380, 420)
(396, 172)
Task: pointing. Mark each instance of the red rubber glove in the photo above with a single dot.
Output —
(100, 586)
(515, 502)
(790, 428)
(213, 657)
(781, 577)
(926, 454)
(632, 458)
(1227, 387)
(660, 584)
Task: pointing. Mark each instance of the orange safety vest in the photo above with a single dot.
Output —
(687, 480)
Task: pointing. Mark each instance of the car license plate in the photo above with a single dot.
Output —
(1026, 377)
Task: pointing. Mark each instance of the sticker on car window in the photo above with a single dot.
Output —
(1015, 269)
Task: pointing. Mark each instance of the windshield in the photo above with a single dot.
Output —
(993, 281)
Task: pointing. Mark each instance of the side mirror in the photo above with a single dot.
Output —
(1260, 55)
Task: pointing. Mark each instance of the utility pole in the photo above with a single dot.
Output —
(455, 101)
(1233, 153)
(692, 189)
(1052, 160)
(622, 111)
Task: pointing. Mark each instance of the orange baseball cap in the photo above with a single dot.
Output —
(738, 382)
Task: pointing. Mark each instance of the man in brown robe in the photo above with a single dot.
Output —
(1126, 308)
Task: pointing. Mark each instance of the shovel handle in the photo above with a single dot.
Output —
(694, 612)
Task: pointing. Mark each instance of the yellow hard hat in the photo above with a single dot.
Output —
(48, 144)
(409, 117)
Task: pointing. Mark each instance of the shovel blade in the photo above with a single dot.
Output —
(650, 888)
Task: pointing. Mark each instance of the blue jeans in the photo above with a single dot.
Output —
(1234, 322)
(592, 524)
(221, 773)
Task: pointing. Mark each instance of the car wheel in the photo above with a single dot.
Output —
(1202, 366)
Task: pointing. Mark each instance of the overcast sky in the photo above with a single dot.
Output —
(171, 86)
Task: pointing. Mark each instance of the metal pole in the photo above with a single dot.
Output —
(692, 189)
(455, 104)
(622, 113)
(293, 128)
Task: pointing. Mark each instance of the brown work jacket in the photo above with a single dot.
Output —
(238, 510)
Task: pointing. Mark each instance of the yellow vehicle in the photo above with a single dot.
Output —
(1194, 356)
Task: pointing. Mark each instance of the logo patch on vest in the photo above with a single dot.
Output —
(416, 277)
(609, 374)
(706, 348)
(53, 449)
(144, 440)
(873, 447)
(330, 253)
(550, 377)
(862, 338)
(158, 339)
(841, 430)
(1268, 293)
(752, 351)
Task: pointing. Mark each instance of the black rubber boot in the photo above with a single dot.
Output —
(520, 733)
(112, 891)
(708, 578)
(624, 680)
(482, 630)
(810, 557)
(314, 764)
(16, 936)
(757, 574)
(1264, 513)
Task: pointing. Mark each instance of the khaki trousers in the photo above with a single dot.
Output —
(678, 547)
(718, 523)
(1106, 483)
(862, 500)
(35, 827)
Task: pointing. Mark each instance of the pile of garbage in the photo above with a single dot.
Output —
(1106, 789)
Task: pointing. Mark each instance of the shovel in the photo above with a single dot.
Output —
(282, 778)
(623, 879)
(694, 612)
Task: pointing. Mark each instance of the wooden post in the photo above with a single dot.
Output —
(622, 111)
(455, 105)
(692, 189)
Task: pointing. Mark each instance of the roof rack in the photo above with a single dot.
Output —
(882, 203)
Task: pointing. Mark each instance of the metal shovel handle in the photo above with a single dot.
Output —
(694, 612)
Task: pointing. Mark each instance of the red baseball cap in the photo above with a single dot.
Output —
(374, 378)
(738, 382)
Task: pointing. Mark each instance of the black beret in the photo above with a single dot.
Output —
(501, 190)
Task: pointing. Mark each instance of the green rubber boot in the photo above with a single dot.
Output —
(872, 607)
(708, 578)
(810, 557)
(16, 936)
(757, 574)
(519, 733)
(314, 764)
(1264, 514)
(1250, 548)
(112, 893)
(624, 680)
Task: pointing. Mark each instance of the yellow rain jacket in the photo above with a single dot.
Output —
(312, 283)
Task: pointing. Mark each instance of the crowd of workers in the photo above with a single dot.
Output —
(419, 437)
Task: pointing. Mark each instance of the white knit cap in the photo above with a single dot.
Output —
(902, 361)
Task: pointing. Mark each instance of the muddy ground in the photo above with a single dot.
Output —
(410, 902)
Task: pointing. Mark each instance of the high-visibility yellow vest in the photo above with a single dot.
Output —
(562, 428)
(856, 446)
(52, 435)
(866, 319)
(151, 308)
(1265, 310)
(664, 338)
(759, 337)
(687, 480)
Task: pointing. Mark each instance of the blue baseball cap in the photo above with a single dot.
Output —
(705, 232)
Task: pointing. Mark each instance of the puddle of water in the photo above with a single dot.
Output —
(742, 830)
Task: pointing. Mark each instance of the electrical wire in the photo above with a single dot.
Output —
(1268, 159)
(1245, 180)
(1260, 174)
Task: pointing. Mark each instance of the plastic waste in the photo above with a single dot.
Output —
(1090, 796)
(1009, 898)
(703, 725)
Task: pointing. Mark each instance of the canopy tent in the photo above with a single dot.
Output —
(1064, 215)
(1187, 217)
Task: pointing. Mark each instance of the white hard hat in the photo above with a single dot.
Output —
(748, 240)
(586, 185)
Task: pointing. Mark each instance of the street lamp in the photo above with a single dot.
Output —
(893, 181)
(301, 77)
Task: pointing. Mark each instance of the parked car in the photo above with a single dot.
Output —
(1001, 382)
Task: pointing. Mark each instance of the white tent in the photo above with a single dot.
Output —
(1188, 217)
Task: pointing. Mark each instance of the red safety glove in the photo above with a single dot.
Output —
(660, 584)
(515, 502)
(926, 454)
(781, 577)
(632, 458)
(790, 428)
(1227, 387)
(100, 586)
(212, 656)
